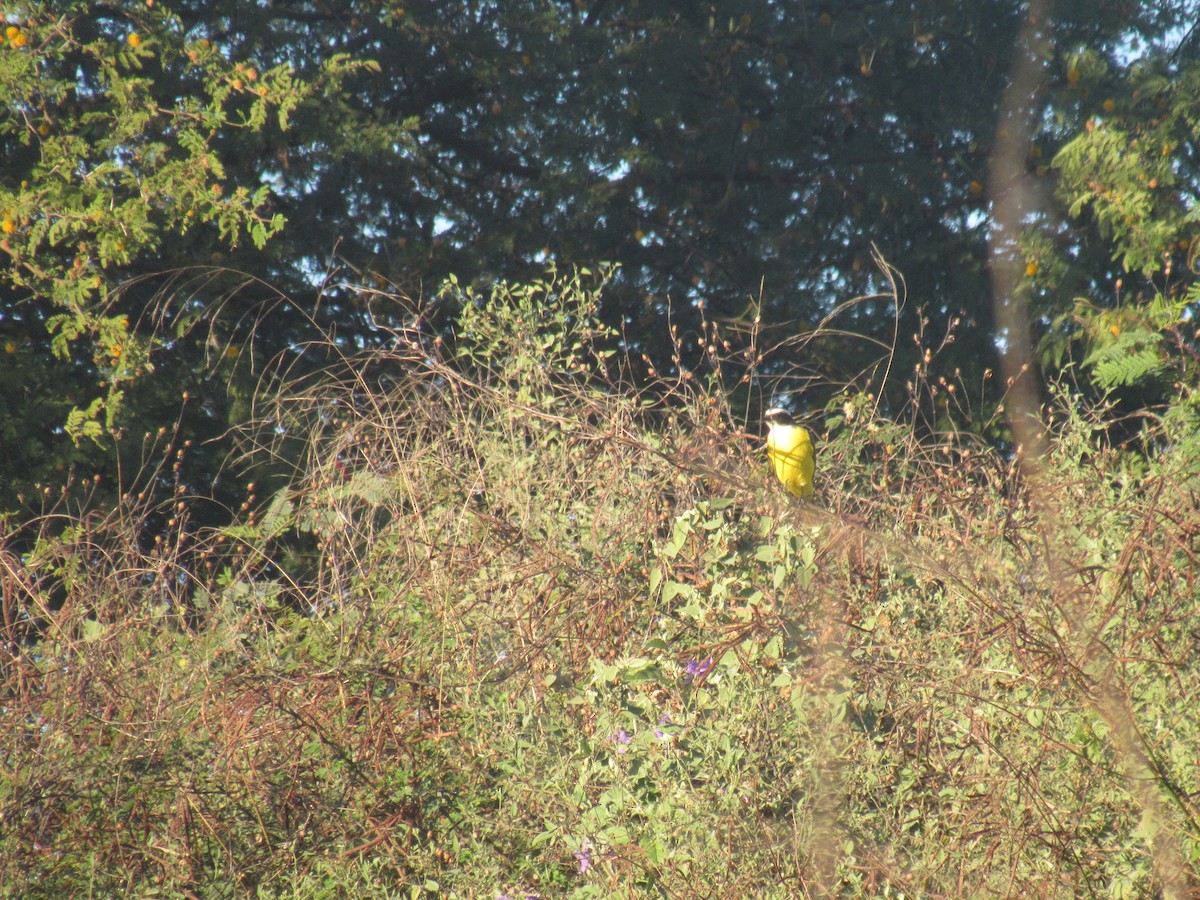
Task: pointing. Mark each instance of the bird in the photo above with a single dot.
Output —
(790, 449)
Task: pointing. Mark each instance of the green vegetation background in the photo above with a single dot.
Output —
(365, 536)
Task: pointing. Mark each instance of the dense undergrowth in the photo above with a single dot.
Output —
(518, 626)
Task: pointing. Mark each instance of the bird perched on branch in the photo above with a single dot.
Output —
(790, 448)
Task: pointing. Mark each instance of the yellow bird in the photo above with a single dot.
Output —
(790, 448)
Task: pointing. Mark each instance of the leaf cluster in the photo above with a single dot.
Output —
(513, 630)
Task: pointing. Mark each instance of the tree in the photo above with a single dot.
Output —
(265, 169)
(1130, 183)
(114, 176)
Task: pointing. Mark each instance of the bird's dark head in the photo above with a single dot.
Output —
(778, 416)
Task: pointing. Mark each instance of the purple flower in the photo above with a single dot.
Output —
(697, 669)
(584, 855)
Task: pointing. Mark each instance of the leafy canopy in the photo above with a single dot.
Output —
(318, 160)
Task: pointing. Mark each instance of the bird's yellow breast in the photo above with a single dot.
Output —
(790, 448)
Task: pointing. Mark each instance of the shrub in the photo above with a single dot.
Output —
(512, 628)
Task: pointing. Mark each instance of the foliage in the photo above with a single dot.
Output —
(111, 168)
(172, 170)
(116, 147)
(368, 547)
(1124, 181)
(1123, 168)
(512, 631)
